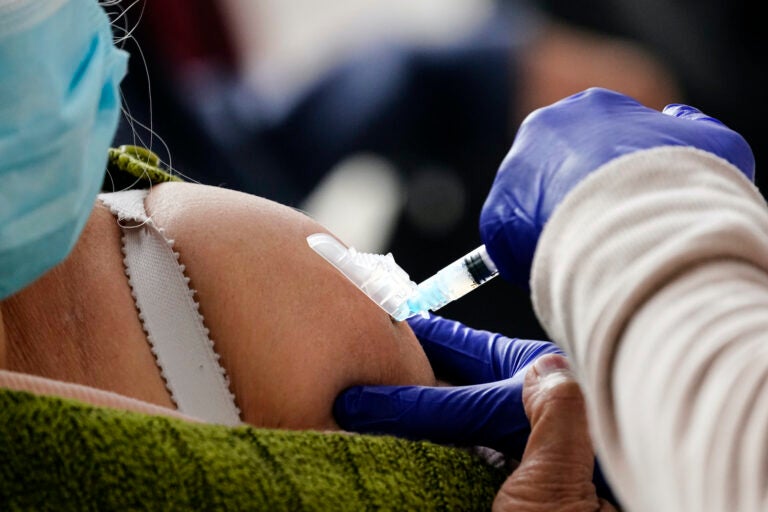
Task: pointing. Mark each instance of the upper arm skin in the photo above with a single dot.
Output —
(292, 332)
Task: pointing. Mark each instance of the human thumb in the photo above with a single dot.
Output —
(556, 469)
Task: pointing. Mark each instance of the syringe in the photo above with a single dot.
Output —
(454, 281)
(388, 285)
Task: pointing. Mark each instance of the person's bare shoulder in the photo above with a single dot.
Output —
(291, 331)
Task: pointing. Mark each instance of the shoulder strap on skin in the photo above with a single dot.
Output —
(169, 313)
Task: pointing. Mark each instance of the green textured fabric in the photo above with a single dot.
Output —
(134, 167)
(58, 454)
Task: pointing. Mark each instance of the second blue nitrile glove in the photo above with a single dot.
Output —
(558, 146)
(486, 409)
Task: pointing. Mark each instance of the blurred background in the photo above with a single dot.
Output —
(387, 119)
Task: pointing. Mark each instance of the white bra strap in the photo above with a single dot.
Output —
(169, 313)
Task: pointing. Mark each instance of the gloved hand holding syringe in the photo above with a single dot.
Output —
(484, 408)
(488, 411)
(389, 286)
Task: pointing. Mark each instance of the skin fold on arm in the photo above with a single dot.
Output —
(291, 331)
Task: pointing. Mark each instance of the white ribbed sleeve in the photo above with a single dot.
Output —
(653, 276)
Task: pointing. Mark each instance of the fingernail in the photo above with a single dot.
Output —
(550, 363)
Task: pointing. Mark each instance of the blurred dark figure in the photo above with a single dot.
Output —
(717, 49)
(444, 116)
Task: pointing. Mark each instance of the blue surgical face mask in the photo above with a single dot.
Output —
(59, 107)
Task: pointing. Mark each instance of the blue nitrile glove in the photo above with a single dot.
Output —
(486, 410)
(558, 146)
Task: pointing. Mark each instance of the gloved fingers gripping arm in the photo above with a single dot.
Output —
(558, 146)
(462, 355)
(488, 412)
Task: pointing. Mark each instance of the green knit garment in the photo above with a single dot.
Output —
(134, 167)
(60, 454)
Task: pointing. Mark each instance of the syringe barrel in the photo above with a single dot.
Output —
(455, 280)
